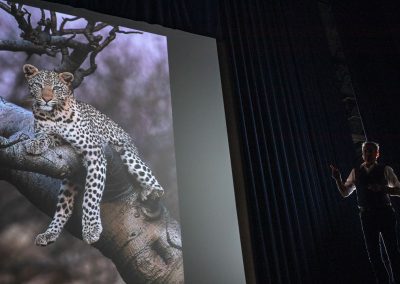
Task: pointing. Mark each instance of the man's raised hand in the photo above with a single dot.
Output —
(335, 173)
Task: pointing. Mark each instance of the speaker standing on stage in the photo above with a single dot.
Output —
(374, 184)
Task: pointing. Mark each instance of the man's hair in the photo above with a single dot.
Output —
(370, 143)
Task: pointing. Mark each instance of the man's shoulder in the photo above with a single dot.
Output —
(388, 168)
(382, 166)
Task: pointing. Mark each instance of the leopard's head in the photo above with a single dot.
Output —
(48, 88)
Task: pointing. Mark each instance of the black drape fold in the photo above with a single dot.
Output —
(371, 42)
(289, 126)
(292, 126)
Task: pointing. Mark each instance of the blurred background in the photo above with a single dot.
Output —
(130, 85)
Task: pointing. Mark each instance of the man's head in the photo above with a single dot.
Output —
(370, 152)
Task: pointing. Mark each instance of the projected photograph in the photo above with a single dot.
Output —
(88, 188)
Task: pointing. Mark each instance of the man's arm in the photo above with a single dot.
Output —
(394, 191)
(345, 189)
(393, 187)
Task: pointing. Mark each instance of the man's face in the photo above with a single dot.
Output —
(370, 154)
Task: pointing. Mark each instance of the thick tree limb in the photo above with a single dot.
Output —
(5, 7)
(24, 45)
(141, 239)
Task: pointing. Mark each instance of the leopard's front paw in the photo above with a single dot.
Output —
(46, 238)
(91, 233)
(23, 137)
(156, 193)
(36, 146)
(153, 193)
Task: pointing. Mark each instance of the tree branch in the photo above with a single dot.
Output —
(47, 39)
(42, 20)
(26, 46)
(23, 24)
(5, 7)
(53, 17)
(141, 239)
(60, 41)
(64, 22)
(97, 28)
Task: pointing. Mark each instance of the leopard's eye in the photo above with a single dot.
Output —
(57, 88)
(36, 85)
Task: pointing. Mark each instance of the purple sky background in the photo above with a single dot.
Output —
(130, 85)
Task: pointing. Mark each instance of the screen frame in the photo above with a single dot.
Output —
(212, 250)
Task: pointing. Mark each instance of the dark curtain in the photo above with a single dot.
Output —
(371, 39)
(286, 124)
(291, 127)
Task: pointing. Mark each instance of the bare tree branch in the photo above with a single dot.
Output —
(5, 7)
(53, 16)
(47, 39)
(64, 55)
(99, 27)
(60, 41)
(43, 17)
(141, 239)
(128, 32)
(65, 21)
(88, 32)
(25, 12)
(26, 46)
(23, 24)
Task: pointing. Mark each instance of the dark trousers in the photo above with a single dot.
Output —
(381, 221)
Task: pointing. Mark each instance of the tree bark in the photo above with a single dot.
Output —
(142, 240)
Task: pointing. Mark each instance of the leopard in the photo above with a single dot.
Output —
(59, 118)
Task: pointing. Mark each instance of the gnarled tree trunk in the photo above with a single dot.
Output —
(142, 240)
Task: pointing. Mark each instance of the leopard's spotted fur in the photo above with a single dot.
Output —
(59, 117)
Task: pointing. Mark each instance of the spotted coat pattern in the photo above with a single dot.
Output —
(60, 118)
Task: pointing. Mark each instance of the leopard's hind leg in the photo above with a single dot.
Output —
(141, 172)
(64, 209)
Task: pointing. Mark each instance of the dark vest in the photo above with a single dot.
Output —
(366, 197)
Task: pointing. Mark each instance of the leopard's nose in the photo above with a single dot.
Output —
(47, 94)
(46, 99)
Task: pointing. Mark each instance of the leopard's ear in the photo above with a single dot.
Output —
(29, 70)
(66, 77)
